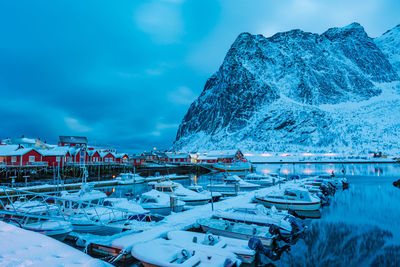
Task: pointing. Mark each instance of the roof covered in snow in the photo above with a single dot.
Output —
(73, 139)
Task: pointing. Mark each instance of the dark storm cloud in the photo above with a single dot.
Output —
(124, 73)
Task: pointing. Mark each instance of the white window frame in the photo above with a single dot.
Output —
(57, 159)
(105, 159)
(32, 158)
(13, 159)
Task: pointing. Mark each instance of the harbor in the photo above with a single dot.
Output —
(121, 244)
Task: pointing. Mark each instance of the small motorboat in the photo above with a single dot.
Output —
(232, 185)
(262, 180)
(236, 230)
(295, 198)
(236, 246)
(86, 211)
(337, 182)
(129, 178)
(188, 196)
(259, 215)
(199, 189)
(160, 203)
(171, 253)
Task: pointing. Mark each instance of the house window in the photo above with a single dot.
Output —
(31, 158)
(111, 160)
(14, 159)
(57, 159)
(105, 159)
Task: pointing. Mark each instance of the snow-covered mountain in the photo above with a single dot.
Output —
(299, 91)
(389, 43)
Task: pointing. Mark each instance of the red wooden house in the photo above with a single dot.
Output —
(93, 156)
(107, 158)
(20, 157)
(56, 156)
(122, 158)
(178, 158)
(137, 160)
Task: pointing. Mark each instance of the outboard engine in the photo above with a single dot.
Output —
(263, 252)
(324, 200)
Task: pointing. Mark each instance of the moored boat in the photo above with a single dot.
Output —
(295, 198)
(188, 196)
(239, 166)
(260, 215)
(236, 246)
(160, 203)
(129, 178)
(236, 230)
(170, 253)
(232, 185)
(199, 189)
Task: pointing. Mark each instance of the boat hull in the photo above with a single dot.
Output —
(286, 205)
(215, 231)
(164, 210)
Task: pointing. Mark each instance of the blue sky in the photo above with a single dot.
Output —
(123, 73)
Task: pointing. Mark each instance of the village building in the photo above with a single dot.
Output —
(122, 158)
(13, 155)
(55, 156)
(73, 141)
(178, 158)
(226, 156)
(137, 160)
(107, 157)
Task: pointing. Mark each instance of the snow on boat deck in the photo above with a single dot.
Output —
(20, 247)
(186, 219)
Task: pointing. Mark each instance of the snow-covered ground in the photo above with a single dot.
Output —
(271, 157)
(19, 247)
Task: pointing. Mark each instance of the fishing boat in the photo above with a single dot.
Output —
(160, 203)
(199, 189)
(188, 196)
(238, 166)
(259, 215)
(237, 246)
(232, 185)
(129, 178)
(295, 198)
(262, 180)
(236, 230)
(171, 253)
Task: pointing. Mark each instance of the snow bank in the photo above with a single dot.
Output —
(20, 247)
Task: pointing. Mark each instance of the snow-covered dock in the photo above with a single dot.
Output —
(26, 248)
(96, 184)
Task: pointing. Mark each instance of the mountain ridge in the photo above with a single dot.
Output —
(267, 93)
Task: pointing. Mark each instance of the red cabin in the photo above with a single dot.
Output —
(73, 141)
(20, 157)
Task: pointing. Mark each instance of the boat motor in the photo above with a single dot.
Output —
(262, 252)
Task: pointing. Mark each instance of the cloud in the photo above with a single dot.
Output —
(182, 95)
(161, 20)
(76, 126)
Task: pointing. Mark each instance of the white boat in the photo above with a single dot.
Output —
(337, 182)
(129, 178)
(87, 214)
(295, 198)
(236, 246)
(32, 207)
(262, 180)
(232, 185)
(199, 189)
(236, 230)
(54, 228)
(258, 214)
(188, 196)
(159, 203)
(170, 253)
(240, 166)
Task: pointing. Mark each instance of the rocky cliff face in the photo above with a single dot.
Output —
(298, 90)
